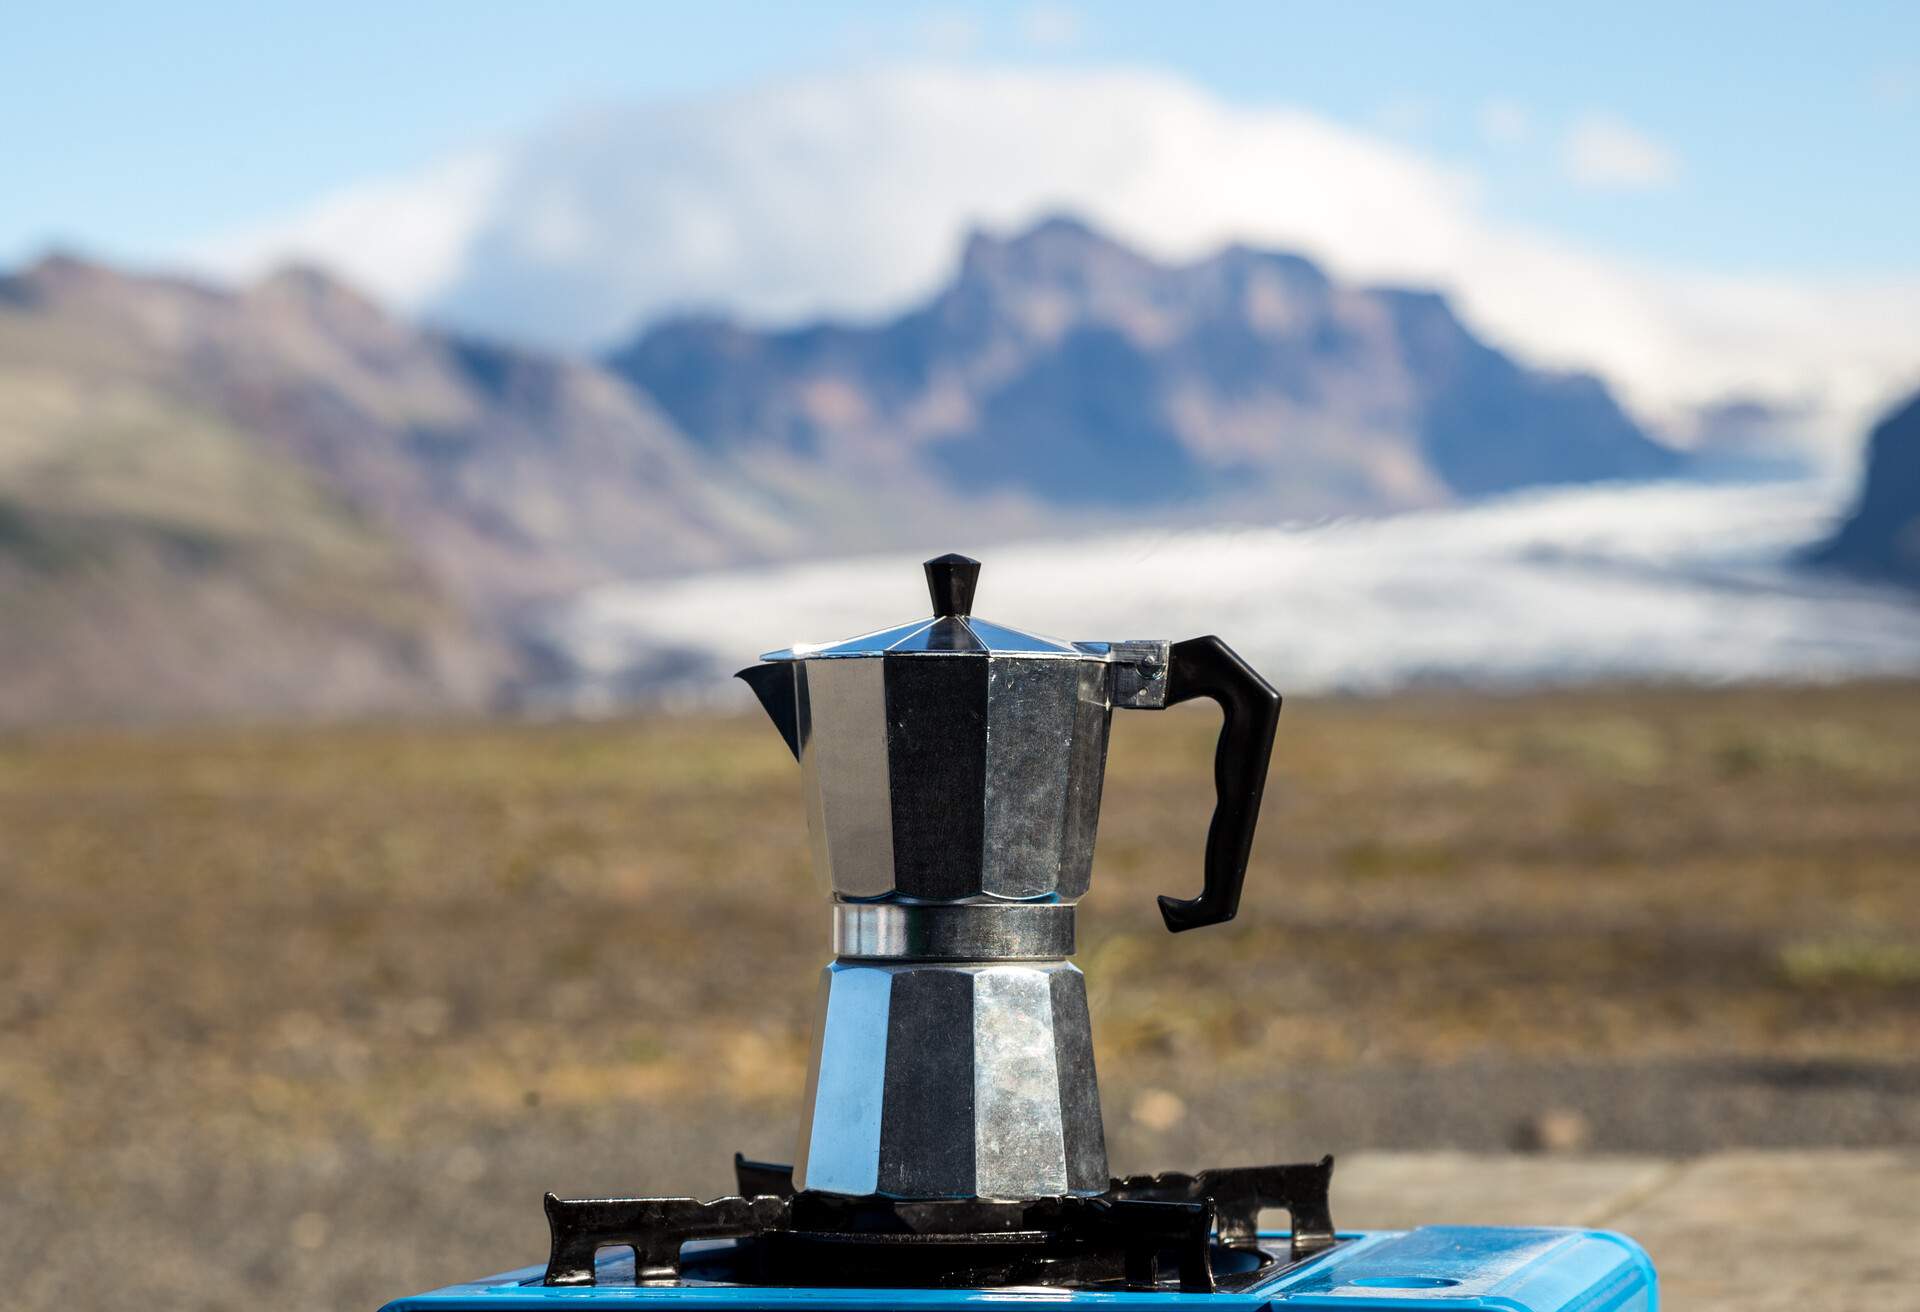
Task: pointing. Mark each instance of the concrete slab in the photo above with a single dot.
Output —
(1790, 1231)
(1375, 1191)
(1787, 1232)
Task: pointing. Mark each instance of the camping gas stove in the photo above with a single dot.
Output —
(951, 1149)
(1174, 1242)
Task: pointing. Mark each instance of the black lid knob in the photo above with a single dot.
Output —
(950, 582)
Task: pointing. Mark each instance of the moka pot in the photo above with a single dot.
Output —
(952, 772)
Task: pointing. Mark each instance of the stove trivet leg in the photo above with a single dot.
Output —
(1301, 1188)
(654, 1228)
(1186, 1227)
(761, 1179)
(1241, 1193)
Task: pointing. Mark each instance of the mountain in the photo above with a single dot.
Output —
(1062, 370)
(1880, 538)
(282, 500)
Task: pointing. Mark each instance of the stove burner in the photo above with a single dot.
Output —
(1202, 1226)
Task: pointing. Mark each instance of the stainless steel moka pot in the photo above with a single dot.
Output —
(952, 771)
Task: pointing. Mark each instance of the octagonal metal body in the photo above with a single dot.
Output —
(936, 1080)
(973, 775)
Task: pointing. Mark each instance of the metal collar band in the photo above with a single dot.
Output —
(966, 931)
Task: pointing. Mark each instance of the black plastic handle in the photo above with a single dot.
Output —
(1250, 715)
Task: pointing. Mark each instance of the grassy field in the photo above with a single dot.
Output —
(311, 1017)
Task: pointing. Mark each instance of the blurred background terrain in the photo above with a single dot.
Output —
(401, 402)
(403, 440)
(319, 1014)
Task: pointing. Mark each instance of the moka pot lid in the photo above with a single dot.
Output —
(952, 629)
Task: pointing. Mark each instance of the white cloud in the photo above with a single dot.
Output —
(1051, 27)
(1607, 153)
(405, 238)
(1895, 88)
(1505, 123)
(947, 33)
(850, 195)
(1404, 116)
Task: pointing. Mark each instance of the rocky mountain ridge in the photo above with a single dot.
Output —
(1880, 538)
(1063, 368)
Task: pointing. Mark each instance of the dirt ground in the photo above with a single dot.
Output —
(303, 1018)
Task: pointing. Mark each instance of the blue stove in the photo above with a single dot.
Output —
(1455, 1267)
(1171, 1241)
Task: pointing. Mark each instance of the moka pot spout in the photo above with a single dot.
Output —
(773, 683)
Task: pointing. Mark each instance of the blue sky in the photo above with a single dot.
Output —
(1697, 202)
(1788, 132)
